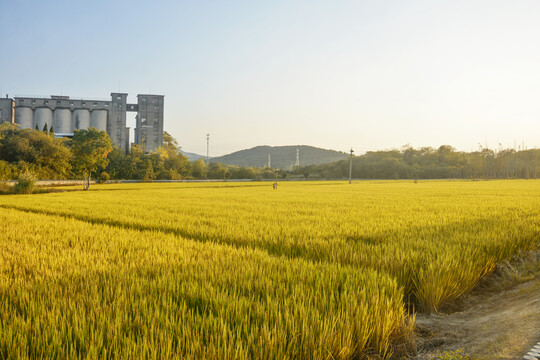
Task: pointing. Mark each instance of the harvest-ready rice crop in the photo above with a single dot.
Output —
(238, 270)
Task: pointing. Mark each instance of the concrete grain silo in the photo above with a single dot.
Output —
(43, 116)
(98, 120)
(81, 119)
(62, 121)
(65, 115)
(24, 117)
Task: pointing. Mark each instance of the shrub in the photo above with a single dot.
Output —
(5, 170)
(25, 184)
(104, 177)
(5, 189)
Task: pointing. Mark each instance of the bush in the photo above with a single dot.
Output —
(5, 170)
(104, 177)
(25, 184)
(5, 189)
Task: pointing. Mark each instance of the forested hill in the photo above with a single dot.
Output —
(192, 156)
(281, 156)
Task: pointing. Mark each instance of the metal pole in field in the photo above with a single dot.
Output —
(275, 188)
(207, 148)
(350, 167)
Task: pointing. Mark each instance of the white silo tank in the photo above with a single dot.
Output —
(62, 121)
(24, 117)
(99, 120)
(42, 117)
(81, 119)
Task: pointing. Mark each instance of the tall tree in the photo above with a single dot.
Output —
(34, 151)
(176, 164)
(199, 169)
(90, 149)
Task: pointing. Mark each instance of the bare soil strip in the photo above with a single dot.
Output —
(500, 320)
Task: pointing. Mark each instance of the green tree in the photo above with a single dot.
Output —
(135, 164)
(243, 172)
(35, 151)
(176, 165)
(217, 171)
(166, 162)
(5, 170)
(90, 149)
(149, 174)
(199, 169)
(117, 164)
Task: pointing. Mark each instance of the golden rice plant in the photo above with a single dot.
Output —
(238, 270)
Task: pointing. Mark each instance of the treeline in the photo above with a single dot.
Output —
(168, 163)
(430, 163)
(45, 157)
(39, 153)
(32, 151)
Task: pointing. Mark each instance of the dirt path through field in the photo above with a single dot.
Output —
(501, 324)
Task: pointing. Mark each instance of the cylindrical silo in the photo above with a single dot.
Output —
(81, 119)
(24, 117)
(62, 121)
(42, 117)
(99, 120)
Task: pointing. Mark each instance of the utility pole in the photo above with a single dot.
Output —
(269, 163)
(207, 149)
(297, 158)
(535, 159)
(350, 167)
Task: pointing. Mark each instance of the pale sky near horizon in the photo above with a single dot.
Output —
(334, 74)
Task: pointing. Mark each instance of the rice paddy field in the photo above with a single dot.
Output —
(312, 270)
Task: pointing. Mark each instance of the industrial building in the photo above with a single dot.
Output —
(63, 115)
(7, 110)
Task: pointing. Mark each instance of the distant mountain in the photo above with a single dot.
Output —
(280, 156)
(193, 156)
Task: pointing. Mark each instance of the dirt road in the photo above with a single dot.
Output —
(494, 323)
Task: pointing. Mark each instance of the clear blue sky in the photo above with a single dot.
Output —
(334, 74)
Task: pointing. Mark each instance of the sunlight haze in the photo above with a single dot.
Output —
(369, 75)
